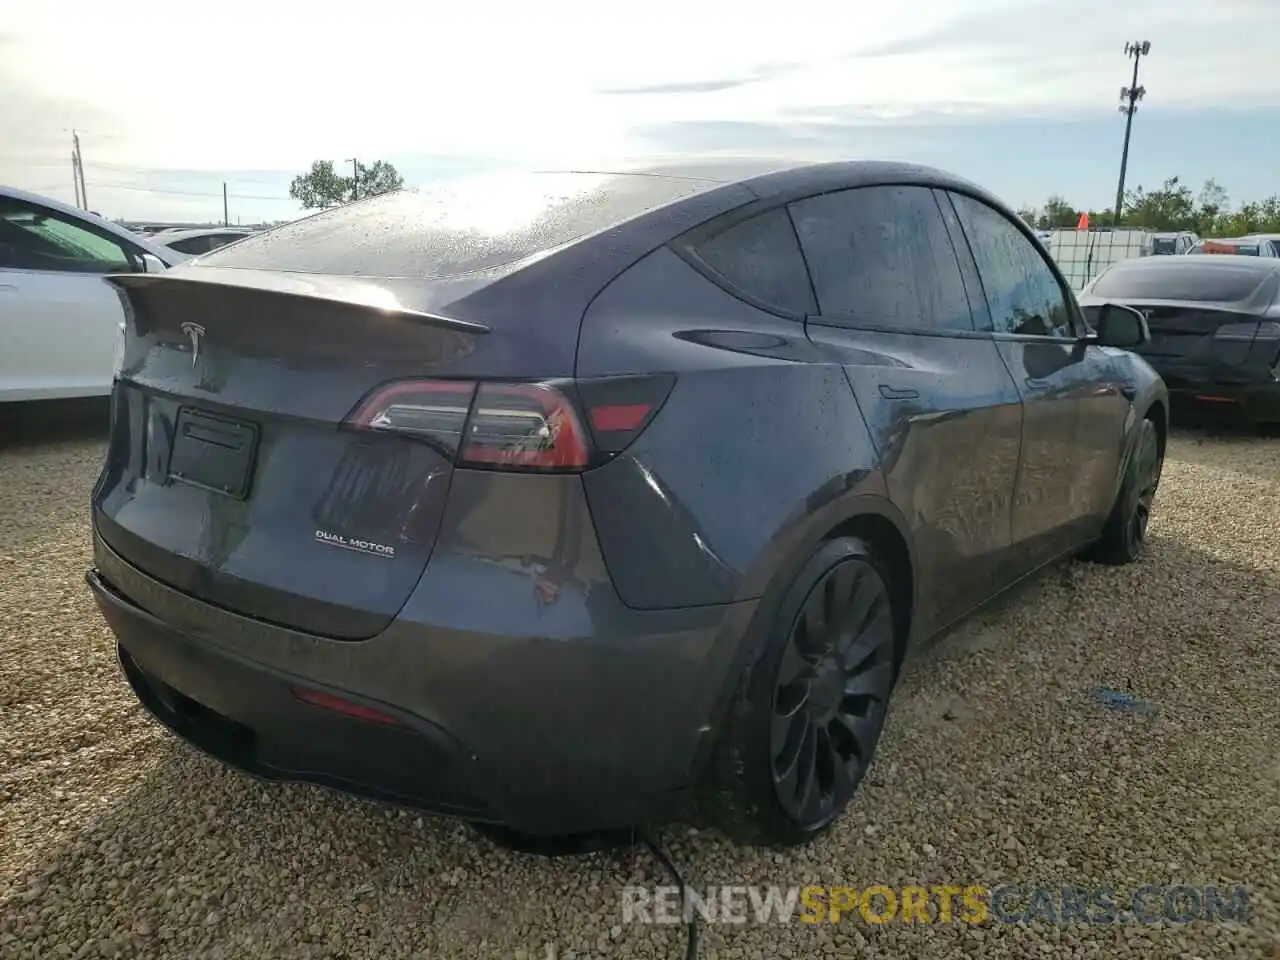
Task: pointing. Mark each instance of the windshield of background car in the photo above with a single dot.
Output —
(1187, 281)
(457, 227)
(1164, 245)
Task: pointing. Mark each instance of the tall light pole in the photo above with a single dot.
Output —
(1129, 97)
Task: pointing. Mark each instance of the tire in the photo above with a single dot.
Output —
(1124, 537)
(808, 714)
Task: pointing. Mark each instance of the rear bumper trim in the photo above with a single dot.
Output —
(247, 716)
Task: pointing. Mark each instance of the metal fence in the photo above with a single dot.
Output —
(1083, 254)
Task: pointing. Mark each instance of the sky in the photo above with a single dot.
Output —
(173, 100)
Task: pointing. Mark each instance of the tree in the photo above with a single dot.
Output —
(1171, 207)
(323, 187)
(1212, 204)
(379, 178)
(1058, 214)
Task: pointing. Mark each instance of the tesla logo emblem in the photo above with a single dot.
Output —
(194, 333)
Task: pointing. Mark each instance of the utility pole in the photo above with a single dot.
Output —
(355, 179)
(78, 165)
(226, 220)
(1129, 97)
(75, 178)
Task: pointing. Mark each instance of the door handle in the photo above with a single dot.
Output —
(1035, 383)
(898, 393)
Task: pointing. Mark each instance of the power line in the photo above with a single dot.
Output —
(184, 193)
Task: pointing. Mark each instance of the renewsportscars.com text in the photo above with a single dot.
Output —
(971, 904)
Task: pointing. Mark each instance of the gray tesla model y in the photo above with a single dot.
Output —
(570, 501)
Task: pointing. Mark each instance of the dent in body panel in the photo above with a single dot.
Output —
(946, 420)
(758, 425)
(1071, 443)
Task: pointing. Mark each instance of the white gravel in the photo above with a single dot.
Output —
(115, 841)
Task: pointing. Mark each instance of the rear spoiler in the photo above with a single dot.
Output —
(352, 291)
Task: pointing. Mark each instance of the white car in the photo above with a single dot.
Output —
(192, 243)
(59, 320)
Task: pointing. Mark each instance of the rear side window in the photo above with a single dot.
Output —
(457, 227)
(881, 256)
(761, 258)
(1188, 280)
(190, 245)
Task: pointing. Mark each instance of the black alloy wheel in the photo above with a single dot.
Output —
(831, 693)
(1147, 467)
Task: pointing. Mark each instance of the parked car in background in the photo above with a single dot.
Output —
(1214, 323)
(635, 492)
(1173, 243)
(1238, 246)
(193, 243)
(59, 320)
(1273, 237)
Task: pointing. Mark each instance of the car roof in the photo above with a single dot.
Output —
(165, 255)
(429, 233)
(1259, 265)
(181, 233)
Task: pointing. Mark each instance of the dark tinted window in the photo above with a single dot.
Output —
(1022, 291)
(761, 258)
(36, 238)
(457, 227)
(1164, 245)
(1186, 280)
(881, 256)
(192, 245)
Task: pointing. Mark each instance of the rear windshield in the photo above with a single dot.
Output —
(456, 227)
(1164, 245)
(1180, 280)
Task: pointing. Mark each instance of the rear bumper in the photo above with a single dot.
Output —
(542, 736)
(1234, 392)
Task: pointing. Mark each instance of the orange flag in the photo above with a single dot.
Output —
(1084, 222)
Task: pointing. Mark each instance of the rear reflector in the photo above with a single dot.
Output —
(327, 701)
(1208, 398)
(518, 426)
(626, 417)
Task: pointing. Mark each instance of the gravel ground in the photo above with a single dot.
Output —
(997, 767)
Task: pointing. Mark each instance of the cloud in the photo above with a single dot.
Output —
(186, 97)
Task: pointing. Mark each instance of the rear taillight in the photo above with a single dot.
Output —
(518, 426)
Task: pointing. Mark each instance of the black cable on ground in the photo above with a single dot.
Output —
(691, 924)
(577, 845)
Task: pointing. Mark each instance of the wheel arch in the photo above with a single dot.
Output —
(872, 518)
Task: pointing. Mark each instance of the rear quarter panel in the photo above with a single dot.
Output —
(759, 443)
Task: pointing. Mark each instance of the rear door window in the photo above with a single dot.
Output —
(881, 257)
(760, 259)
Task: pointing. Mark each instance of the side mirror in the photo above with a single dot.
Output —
(1117, 325)
(152, 264)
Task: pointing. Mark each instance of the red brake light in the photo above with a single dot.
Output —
(434, 410)
(518, 426)
(525, 425)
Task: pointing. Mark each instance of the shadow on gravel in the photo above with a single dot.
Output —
(35, 424)
(196, 858)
